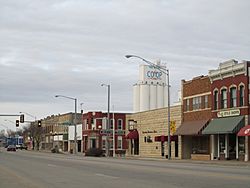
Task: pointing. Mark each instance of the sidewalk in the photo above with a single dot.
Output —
(214, 162)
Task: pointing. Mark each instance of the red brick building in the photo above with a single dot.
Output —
(196, 99)
(230, 110)
(97, 135)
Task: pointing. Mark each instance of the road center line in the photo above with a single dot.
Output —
(107, 176)
(51, 165)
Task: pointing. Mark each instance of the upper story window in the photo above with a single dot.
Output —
(111, 123)
(241, 95)
(233, 97)
(187, 105)
(206, 101)
(119, 124)
(196, 103)
(216, 100)
(104, 123)
(223, 98)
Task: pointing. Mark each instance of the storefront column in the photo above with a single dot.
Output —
(246, 148)
(218, 147)
(227, 146)
(133, 147)
(69, 146)
(237, 147)
(212, 147)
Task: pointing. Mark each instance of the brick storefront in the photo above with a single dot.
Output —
(230, 110)
(196, 101)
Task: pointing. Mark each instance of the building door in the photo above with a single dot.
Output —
(162, 149)
(92, 143)
(232, 146)
(176, 148)
(79, 145)
(136, 146)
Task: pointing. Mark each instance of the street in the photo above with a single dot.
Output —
(44, 170)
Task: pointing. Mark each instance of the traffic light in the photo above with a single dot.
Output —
(39, 123)
(22, 118)
(17, 123)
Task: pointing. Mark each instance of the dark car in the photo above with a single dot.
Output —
(11, 148)
(21, 147)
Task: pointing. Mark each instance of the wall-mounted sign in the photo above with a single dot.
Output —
(148, 131)
(172, 127)
(228, 113)
(131, 127)
(150, 73)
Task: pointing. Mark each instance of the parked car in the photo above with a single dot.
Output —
(11, 148)
(21, 147)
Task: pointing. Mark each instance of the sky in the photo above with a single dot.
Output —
(71, 47)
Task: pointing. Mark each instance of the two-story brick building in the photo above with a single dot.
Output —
(56, 130)
(96, 133)
(230, 110)
(196, 100)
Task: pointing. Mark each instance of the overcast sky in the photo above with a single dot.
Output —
(71, 47)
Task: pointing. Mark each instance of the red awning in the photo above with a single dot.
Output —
(163, 138)
(244, 131)
(133, 135)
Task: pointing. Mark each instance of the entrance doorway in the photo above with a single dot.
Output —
(134, 146)
(232, 146)
(79, 145)
(92, 143)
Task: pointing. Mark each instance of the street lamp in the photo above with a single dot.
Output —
(108, 119)
(165, 71)
(75, 99)
(81, 107)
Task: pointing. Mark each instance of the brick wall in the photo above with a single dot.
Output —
(226, 83)
(198, 86)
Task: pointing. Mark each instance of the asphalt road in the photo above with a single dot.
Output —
(26, 169)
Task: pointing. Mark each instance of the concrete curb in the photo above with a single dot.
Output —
(184, 161)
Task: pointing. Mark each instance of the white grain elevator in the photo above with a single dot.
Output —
(150, 91)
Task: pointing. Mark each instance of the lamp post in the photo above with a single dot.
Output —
(165, 71)
(75, 137)
(81, 107)
(113, 131)
(108, 120)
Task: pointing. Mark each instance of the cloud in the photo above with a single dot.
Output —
(70, 47)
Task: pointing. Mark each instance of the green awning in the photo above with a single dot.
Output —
(225, 125)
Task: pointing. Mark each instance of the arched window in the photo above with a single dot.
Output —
(223, 98)
(241, 95)
(233, 97)
(216, 100)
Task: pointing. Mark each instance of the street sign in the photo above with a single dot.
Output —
(172, 127)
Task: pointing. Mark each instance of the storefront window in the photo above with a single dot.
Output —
(200, 144)
(241, 141)
(222, 143)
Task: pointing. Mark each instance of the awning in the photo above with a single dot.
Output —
(245, 131)
(191, 127)
(133, 135)
(163, 138)
(224, 125)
